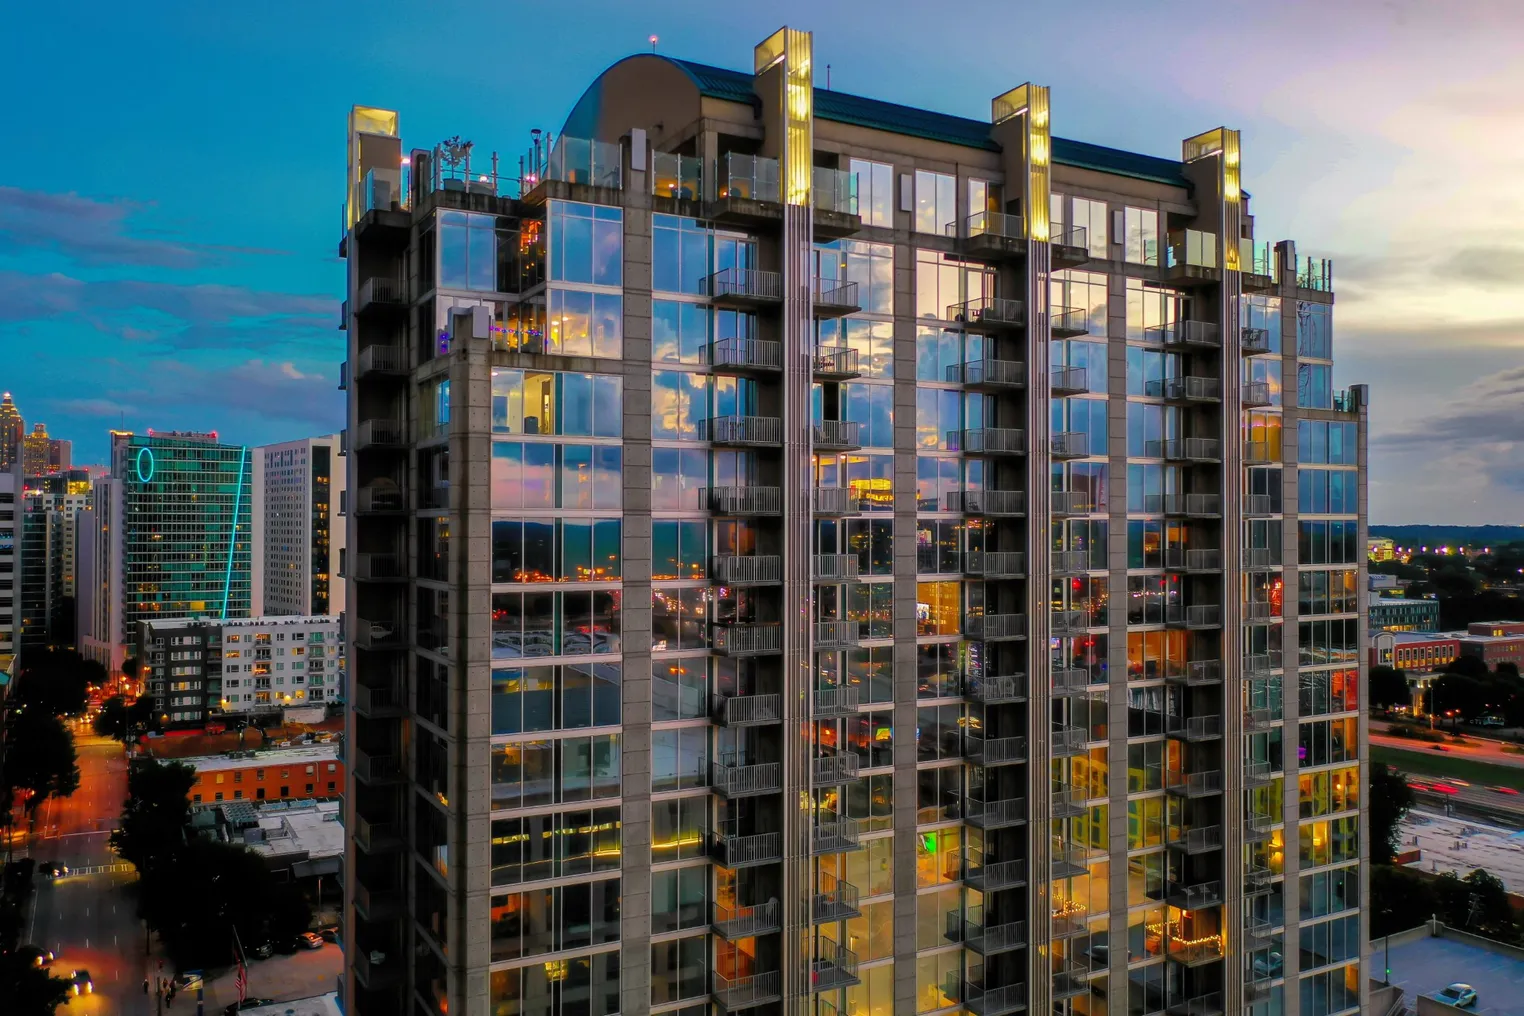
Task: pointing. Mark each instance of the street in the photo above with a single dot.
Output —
(1479, 748)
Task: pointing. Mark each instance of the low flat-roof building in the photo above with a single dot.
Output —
(1493, 642)
(1395, 613)
(284, 774)
(1426, 959)
(1413, 651)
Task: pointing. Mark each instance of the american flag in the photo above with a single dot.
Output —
(243, 970)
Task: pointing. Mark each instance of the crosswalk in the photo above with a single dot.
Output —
(100, 869)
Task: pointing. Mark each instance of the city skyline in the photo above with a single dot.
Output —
(203, 288)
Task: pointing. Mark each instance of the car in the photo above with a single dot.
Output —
(262, 950)
(330, 933)
(1439, 747)
(310, 940)
(287, 946)
(1444, 788)
(1416, 785)
(1462, 996)
(36, 955)
(81, 983)
(1506, 790)
(249, 1003)
(1455, 781)
(52, 869)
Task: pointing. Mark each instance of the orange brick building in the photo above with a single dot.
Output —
(284, 774)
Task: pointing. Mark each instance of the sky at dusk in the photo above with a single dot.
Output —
(170, 197)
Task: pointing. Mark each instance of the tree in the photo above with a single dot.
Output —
(1401, 899)
(130, 668)
(29, 990)
(39, 757)
(57, 681)
(1388, 687)
(155, 814)
(121, 722)
(1389, 800)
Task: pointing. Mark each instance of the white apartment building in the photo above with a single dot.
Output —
(297, 535)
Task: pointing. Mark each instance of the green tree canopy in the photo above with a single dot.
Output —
(121, 721)
(1389, 800)
(29, 990)
(56, 681)
(39, 757)
(1388, 687)
(155, 814)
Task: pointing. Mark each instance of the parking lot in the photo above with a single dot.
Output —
(300, 975)
(1426, 965)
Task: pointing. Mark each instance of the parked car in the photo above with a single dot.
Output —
(36, 955)
(330, 933)
(1462, 996)
(81, 983)
(1439, 747)
(248, 1003)
(262, 950)
(310, 940)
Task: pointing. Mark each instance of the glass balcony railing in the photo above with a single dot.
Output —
(749, 177)
(835, 190)
(1258, 259)
(575, 160)
(1316, 274)
(1192, 248)
(677, 176)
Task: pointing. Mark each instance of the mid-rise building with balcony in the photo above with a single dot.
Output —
(818, 555)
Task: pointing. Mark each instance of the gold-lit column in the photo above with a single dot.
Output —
(365, 121)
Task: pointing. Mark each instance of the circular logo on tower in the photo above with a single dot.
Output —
(145, 464)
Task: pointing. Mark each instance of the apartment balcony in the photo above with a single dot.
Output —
(1258, 453)
(983, 1001)
(1068, 802)
(1195, 897)
(989, 314)
(995, 564)
(1258, 720)
(995, 627)
(1069, 246)
(1003, 814)
(1257, 773)
(1069, 741)
(1210, 1004)
(1259, 557)
(746, 851)
(987, 939)
(747, 639)
(379, 568)
(1258, 879)
(1199, 506)
(999, 690)
(1257, 989)
(831, 635)
(1198, 840)
(989, 877)
(1066, 682)
(837, 904)
(1069, 862)
(377, 635)
(1067, 322)
(1194, 728)
(1197, 674)
(1069, 622)
(379, 433)
(734, 994)
(735, 923)
(1258, 934)
(1194, 334)
(989, 441)
(1202, 561)
(1069, 445)
(378, 837)
(830, 703)
(1066, 381)
(1185, 389)
(833, 501)
(1260, 612)
(375, 499)
(1187, 449)
(380, 360)
(376, 770)
(836, 836)
(378, 904)
(731, 780)
(1253, 341)
(835, 363)
(987, 503)
(1258, 506)
(748, 710)
(1254, 394)
(744, 500)
(1200, 617)
(375, 971)
(1258, 826)
(1063, 503)
(835, 567)
(749, 356)
(836, 204)
(833, 770)
(1195, 952)
(995, 751)
(990, 236)
(746, 569)
(834, 967)
(1070, 980)
(1070, 562)
(745, 288)
(742, 431)
(836, 435)
(1259, 666)
(380, 298)
(836, 298)
(989, 374)
(382, 701)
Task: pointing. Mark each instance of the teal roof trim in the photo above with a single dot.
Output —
(840, 107)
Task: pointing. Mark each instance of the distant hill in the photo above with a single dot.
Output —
(1428, 536)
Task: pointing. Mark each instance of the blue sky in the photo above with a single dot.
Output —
(169, 205)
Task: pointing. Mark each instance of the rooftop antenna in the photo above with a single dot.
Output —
(828, 77)
(653, 44)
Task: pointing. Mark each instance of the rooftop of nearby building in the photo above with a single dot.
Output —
(305, 755)
(1401, 601)
(1414, 637)
(1427, 959)
(191, 744)
(267, 621)
(277, 829)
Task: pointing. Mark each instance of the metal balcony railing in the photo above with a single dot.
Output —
(1258, 933)
(1257, 879)
(994, 751)
(746, 354)
(1067, 381)
(1254, 394)
(1069, 622)
(990, 441)
(1194, 728)
(834, 966)
(378, 904)
(732, 923)
(829, 702)
(832, 500)
(1069, 445)
(1066, 681)
(734, 993)
(746, 569)
(1185, 389)
(988, 877)
(835, 297)
(1258, 719)
(380, 359)
(1203, 615)
(748, 710)
(836, 363)
(746, 285)
(988, 373)
(746, 851)
(835, 567)
(1198, 505)
(381, 700)
(1254, 341)
(379, 433)
(995, 690)
(1067, 562)
(1195, 897)
(372, 498)
(1186, 333)
(1069, 741)
(997, 503)
(378, 566)
(744, 500)
(992, 627)
(835, 836)
(377, 634)
(836, 435)
(988, 224)
(1257, 773)
(742, 430)
(1197, 673)
(1259, 826)
(1070, 980)
(747, 639)
(1259, 452)
(1259, 505)
(375, 768)
(1210, 1004)
(1259, 612)
(1181, 559)
(989, 311)
(1000, 814)
(1260, 557)
(1067, 322)
(837, 634)
(1068, 862)
(1198, 840)
(983, 1001)
(380, 292)
(833, 770)
(733, 780)
(1073, 238)
(1187, 449)
(990, 939)
(1069, 502)
(995, 564)
(838, 903)
(1258, 666)
(1068, 802)
(377, 837)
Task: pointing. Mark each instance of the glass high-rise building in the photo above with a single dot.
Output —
(814, 555)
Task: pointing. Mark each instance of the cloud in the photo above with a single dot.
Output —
(1485, 266)
(91, 407)
(94, 232)
(264, 389)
